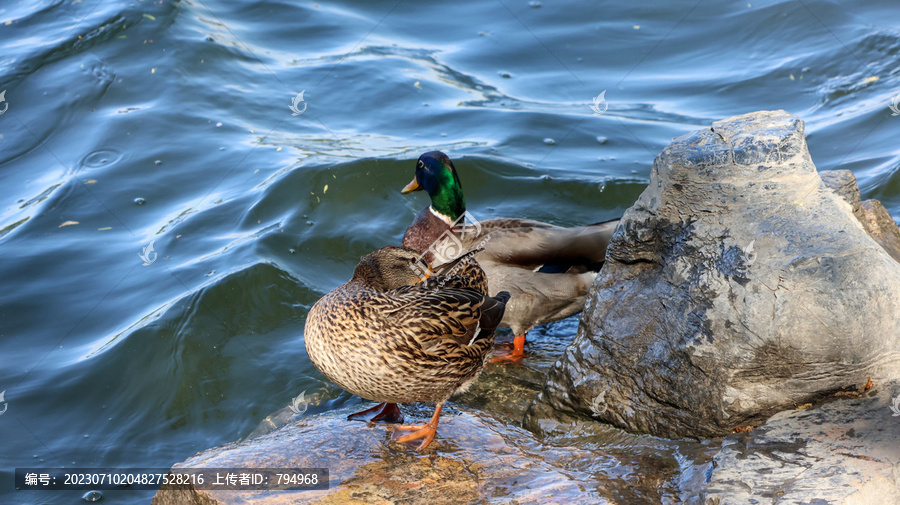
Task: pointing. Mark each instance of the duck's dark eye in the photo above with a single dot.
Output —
(421, 164)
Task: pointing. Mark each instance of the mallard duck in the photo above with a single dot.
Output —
(547, 269)
(386, 336)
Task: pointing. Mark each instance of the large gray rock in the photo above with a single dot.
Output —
(736, 287)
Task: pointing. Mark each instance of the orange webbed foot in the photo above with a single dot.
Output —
(512, 356)
(424, 431)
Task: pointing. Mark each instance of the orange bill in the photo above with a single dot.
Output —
(409, 188)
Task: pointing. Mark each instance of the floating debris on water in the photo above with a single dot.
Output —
(93, 496)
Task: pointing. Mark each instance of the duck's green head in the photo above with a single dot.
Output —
(436, 174)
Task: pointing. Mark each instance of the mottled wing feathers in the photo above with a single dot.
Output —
(463, 273)
(438, 320)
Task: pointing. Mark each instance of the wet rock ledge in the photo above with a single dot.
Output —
(738, 286)
(842, 453)
(474, 459)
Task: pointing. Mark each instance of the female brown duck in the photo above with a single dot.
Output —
(387, 337)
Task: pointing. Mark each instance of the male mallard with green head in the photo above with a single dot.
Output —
(386, 336)
(547, 269)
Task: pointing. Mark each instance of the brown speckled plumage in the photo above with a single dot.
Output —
(385, 337)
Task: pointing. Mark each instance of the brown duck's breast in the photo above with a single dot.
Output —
(364, 354)
(424, 231)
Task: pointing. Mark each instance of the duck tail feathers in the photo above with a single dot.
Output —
(492, 311)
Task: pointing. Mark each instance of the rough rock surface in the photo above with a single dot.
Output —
(843, 182)
(875, 219)
(879, 224)
(474, 459)
(736, 287)
(843, 453)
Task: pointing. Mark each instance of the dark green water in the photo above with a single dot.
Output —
(106, 361)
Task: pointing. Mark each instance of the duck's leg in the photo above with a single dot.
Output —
(382, 413)
(513, 356)
(519, 345)
(425, 431)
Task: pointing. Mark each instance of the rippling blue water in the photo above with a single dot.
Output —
(128, 123)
